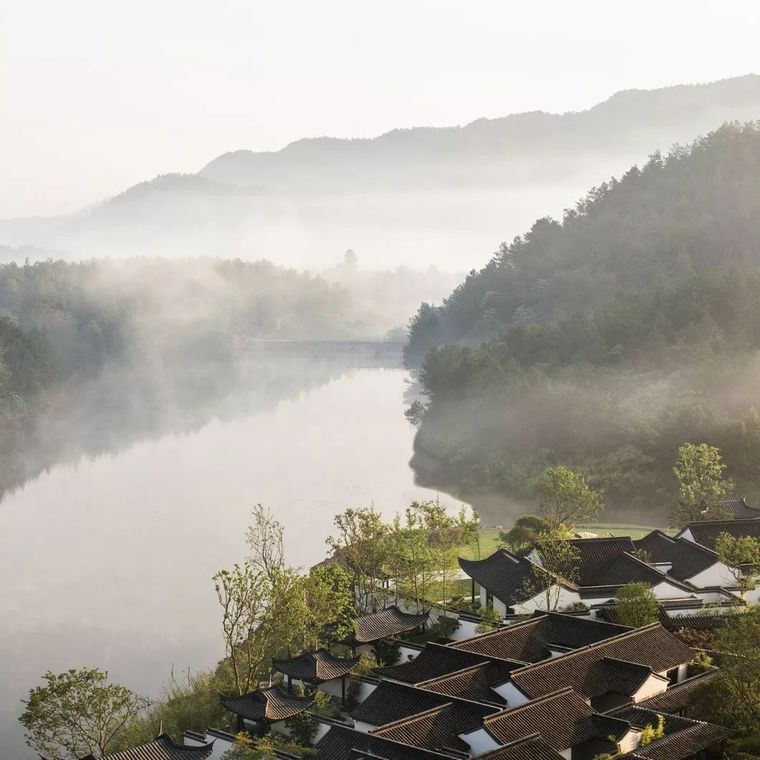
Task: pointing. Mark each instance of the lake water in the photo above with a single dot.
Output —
(107, 560)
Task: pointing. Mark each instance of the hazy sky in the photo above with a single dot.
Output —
(96, 95)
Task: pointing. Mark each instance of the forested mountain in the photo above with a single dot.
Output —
(429, 195)
(610, 338)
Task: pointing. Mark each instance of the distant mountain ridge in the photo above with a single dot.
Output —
(628, 114)
(426, 195)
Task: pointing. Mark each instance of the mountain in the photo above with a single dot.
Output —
(606, 340)
(425, 195)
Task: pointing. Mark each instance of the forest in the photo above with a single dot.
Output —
(606, 340)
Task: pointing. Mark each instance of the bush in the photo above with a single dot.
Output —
(387, 651)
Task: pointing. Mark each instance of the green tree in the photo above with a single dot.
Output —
(360, 542)
(567, 498)
(329, 601)
(77, 713)
(261, 618)
(742, 556)
(411, 557)
(732, 697)
(521, 537)
(555, 559)
(265, 538)
(699, 471)
(636, 604)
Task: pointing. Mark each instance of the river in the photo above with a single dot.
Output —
(107, 557)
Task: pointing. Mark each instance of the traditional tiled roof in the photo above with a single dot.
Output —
(474, 683)
(701, 620)
(584, 669)
(596, 556)
(437, 729)
(315, 667)
(738, 509)
(342, 743)
(391, 702)
(562, 718)
(707, 532)
(532, 747)
(679, 696)
(388, 622)
(656, 544)
(161, 748)
(269, 705)
(436, 660)
(641, 717)
(685, 557)
(509, 578)
(532, 639)
(625, 677)
(684, 744)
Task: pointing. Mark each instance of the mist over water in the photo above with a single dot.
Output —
(111, 556)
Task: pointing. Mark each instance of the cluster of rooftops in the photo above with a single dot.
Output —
(684, 571)
(553, 685)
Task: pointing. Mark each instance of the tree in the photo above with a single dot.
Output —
(265, 539)
(360, 543)
(732, 697)
(742, 556)
(329, 600)
(77, 713)
(522, 536)
(651, 733)
(555, 559)
(445, 535)
(637, 605)
(243, 595)
(567, 497)
(261, 617)
(701, 486)
(411, 557)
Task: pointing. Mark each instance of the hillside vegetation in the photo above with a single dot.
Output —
(608, 339)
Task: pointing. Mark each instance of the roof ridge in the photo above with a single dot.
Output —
(513, 743)
(581, 650)
(412, 718)
(701, 547)
(533, 703)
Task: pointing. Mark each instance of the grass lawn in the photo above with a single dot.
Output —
(489, 537)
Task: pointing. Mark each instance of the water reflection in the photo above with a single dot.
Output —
(107, 561)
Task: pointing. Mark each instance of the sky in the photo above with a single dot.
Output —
(96, 96)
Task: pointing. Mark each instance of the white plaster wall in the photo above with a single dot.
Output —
(322, 729)
(365, 689)
(630, 741)
(538, 602)
(365, 728)
(687, 534)
(653, 685)
(467, 629)
(406, 653)
(333, 688)
(715, 575)
(666, 590)
(511, 694)
(480, 741)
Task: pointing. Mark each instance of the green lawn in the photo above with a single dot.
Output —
(489, 537)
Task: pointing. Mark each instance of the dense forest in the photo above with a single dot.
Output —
(608, 339)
